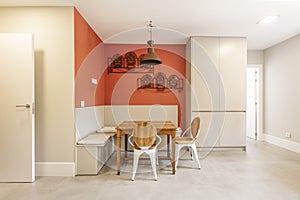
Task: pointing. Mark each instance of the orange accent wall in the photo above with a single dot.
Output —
(121, 89)
(89, 62)
(85, 39)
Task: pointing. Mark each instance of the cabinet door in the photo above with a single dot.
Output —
(234, 130)
(211, 124)
(205, 73)
(224, 129)
(233, 52)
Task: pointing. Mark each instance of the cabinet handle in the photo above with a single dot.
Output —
(219, 111)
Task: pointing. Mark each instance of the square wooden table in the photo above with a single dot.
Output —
(163, 128)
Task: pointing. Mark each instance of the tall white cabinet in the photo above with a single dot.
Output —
(216, 68)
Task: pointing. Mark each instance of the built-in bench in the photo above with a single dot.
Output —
(93, 151)
(93, 148)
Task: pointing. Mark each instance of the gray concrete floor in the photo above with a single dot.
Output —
(263, 172)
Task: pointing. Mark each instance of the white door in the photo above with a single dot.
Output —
(252, 101)
(17, 108)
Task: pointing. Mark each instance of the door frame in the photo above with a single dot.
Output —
(260, 100)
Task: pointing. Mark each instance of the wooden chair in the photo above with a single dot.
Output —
(183, 141)
(144, 140)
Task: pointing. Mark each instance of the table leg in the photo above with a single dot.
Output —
(126, 145)
(173, 155)
(118, 153)
(168, 146)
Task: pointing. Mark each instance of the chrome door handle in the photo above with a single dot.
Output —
(23, 106)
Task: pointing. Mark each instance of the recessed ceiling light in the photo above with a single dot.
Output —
(268, 19)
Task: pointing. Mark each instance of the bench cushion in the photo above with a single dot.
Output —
(107, 129)
(95, 139)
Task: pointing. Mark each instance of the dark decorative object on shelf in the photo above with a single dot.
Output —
(160, 82)
(174, 82)
(146, 81)
(131, 59)
(129, 63)
(117, 61)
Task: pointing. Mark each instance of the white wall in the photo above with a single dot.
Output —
(52, 28)
(88, 120)
(281, 86)
(116, 114)
(255, 57)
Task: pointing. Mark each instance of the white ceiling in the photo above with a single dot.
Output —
(125, 21)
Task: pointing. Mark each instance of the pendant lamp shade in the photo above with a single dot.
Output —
(151, 58)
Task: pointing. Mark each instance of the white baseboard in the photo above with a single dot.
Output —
(55, 169)
(287, 144)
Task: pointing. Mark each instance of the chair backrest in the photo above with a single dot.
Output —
(144, 135)
(195, 126)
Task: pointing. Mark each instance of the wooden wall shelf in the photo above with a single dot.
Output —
(137, 70)
(160, 82)
(129, 63)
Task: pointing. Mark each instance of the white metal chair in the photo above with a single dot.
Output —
(190, 142)
(144, 140)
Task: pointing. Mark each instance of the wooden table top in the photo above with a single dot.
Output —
(160, 125)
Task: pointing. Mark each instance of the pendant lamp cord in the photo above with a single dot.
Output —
(150, 26)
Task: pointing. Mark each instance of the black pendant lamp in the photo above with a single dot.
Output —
(151, 58)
